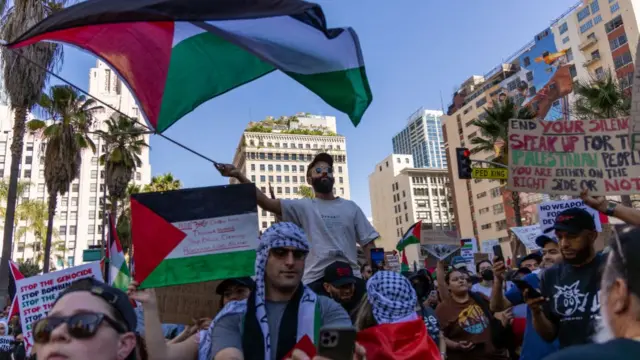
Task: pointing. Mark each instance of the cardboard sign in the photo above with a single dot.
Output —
(5, 343)
(527, 235)
(180, 304)
(564, 157)
(38, 293)
(439, 243)
(548, 211)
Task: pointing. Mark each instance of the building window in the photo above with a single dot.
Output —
(622, 60)
(278, 179)
(563, 28)
(263, 178)
(28, 160)
(572, 71)
(582, 14)
(617, 42)
(615, 7)
(253, 167)
(270, 178)
(94, 160)
(94, 174)
(486, 226)
(613, 24)
(63, 230)
(481, 195)
(565, 40)
(93, 187)
(29, 146)
(595, 7)
(73, 215)
(278, 168)
(63, 215)
(75, 187)
(597, 19)
(74, 201)
(586, 26)
(92, 215)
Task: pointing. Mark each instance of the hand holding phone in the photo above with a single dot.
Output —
(497, 253)
(377, 259)
(337, 342)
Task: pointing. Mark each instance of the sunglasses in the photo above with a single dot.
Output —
(319, 170)
(80, 326)
(281, 253)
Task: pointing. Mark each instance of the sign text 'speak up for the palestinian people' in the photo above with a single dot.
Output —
(564, 157)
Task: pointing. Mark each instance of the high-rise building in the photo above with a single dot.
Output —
(422, 138)
(402, 194)
(276, 152)
(79, 215)
(590, 39)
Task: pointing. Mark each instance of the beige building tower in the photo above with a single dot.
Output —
(275, 153)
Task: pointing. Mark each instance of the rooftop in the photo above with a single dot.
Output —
(299, 124)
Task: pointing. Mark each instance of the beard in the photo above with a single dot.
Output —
(581, 256)
(323, 185)
(604, 333)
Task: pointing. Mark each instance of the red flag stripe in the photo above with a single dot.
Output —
(136, 40)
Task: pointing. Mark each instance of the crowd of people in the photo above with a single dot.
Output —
(567, 301)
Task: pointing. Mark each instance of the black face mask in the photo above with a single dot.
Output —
(487, 275)
(322, 185)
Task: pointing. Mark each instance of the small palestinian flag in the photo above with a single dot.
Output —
(16, 275)
(118, 270)
(175, 55)
(405, 263)
(194, 235)
(412, 236)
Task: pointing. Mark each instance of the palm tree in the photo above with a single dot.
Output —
(163, 182)
(124, 143)
(602, 98)
(494, 131)
(66, 135)
(35, 214)
(306, 192)
(123, 227)
(23, 83)
(4, 193)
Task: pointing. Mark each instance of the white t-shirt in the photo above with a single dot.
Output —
(333, 228)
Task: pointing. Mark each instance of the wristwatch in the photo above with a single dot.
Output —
(443, 355)
(611, 207)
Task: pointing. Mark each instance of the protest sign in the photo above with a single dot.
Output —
(180, 304)
(547, 212)
(5, 343)
(565, 157)
(486, 246)
(439, 243)
(468, 250)
(38, 293)
(194, 235)
(527, 235)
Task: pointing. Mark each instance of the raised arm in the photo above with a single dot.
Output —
(264, 201)
(498, 301)
(629, 215)
(442, 283)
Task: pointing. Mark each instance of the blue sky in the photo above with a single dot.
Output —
(414, 50)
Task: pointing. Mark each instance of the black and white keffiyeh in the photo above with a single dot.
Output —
(392, 297)
(279, 235)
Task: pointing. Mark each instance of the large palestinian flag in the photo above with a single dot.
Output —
(176, 54)
(194, 235)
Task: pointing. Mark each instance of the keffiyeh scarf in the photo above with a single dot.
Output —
(303, 304)
(392, 298)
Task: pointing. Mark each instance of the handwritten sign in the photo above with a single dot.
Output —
(527, 235)
(5, 343)
(439, 243)
(564, 157)
(486, 247)
(37, 294)
(548, 211)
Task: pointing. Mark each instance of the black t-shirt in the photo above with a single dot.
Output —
(618, 349)
(431, 322)
(573, 304)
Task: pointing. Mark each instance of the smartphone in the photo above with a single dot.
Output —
(377, 258)
(337, 342)
(522, 285)
(497, 253)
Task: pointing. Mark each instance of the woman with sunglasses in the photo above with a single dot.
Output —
(89, 320)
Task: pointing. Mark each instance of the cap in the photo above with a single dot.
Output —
(338, 274)
(324, 157)
(542, 240)
(628, 236)
(243, 281)
(533, 256)
(458, 262)
(114, 297)
(573, 220)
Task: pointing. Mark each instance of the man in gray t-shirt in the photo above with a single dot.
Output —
(335, 226)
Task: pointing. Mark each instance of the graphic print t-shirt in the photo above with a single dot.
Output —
(573, 305)
(468, 322)
(431, 322)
